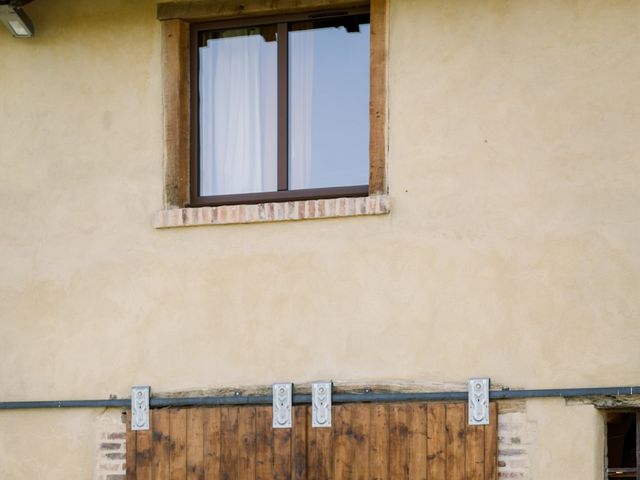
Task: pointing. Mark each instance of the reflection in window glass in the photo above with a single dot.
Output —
(238, 111)
(329, 103)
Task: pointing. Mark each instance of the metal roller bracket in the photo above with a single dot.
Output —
(140, 408)
(321, 404)
(479, 401)
(282, 401)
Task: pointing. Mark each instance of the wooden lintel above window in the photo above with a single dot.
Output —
(198, 10)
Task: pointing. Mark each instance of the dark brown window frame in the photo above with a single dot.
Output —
(179, 20)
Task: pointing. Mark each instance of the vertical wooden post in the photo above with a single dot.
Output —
(378, 96)
(175, 95)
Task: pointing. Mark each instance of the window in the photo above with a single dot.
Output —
(280, 108)
(623, 449)
(285, 170)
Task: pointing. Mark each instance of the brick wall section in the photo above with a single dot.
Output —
(515, 437)
(112, 453)
(272, 212)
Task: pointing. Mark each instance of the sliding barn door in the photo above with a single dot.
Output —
(367, 441)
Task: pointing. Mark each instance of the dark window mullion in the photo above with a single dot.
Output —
(194, 153)
(283, 107)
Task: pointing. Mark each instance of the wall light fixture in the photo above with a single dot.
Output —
(16, 21)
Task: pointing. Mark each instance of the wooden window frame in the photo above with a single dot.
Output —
(179, 22)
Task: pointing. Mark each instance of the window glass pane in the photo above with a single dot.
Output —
(329, 103)
(238, 111)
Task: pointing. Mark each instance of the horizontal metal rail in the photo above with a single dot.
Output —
(301, 399)
(66, 404)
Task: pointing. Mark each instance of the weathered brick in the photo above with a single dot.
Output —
(111, 460)
(514, 436)
(110, 446)
(116, 456)
(272, 212)
(510, 452)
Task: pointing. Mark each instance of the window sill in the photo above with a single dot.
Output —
(272, 212)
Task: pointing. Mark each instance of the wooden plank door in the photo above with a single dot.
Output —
(416, 441)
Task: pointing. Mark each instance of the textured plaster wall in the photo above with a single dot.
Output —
(49, 444)
(570, 440)
(512, 249)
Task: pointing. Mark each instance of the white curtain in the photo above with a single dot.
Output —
(238, 85)
(301, 60)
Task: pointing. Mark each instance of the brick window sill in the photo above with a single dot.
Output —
(272, 212)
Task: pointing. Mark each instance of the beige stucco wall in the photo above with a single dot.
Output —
(50, 444)
(512, 249)
(568, 440)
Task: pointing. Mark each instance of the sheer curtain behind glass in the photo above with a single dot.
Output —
(301, 61)
(329, 103)
(238, 113)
